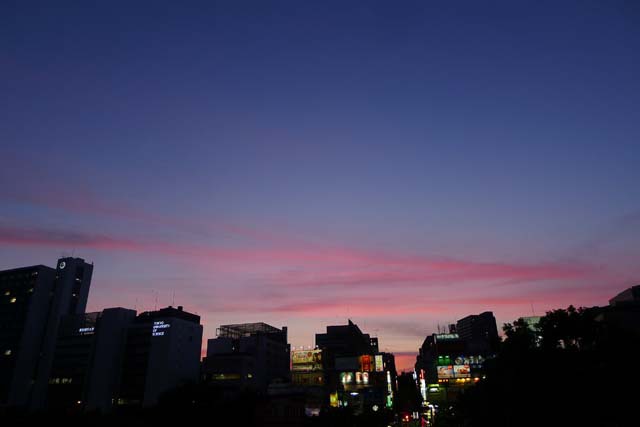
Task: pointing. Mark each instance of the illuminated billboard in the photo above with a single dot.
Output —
(358, 377)
(461, 371)
(379, 363)
(445, 372)
(446, 337)
(346, 377)
(474, 361)
(469, 360)
(444, 360)
(333, 400)
(306, 360)
(365, 363)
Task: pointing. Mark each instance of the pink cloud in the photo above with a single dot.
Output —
(59, 238)
(311, 267)
(359, 307)
(83, 201)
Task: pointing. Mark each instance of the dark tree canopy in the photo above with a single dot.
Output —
(575, 368)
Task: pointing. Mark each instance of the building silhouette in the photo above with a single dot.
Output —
(87, 364)
(480, 333)
(247, 356)
(447, 364)
(623, 311)
(33, 300)
(630, 296)
(162, 351)
(356, 374)
(346, 340)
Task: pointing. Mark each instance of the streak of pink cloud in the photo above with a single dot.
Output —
(83, 201)
(312, 268)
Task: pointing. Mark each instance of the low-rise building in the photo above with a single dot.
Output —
(247, 356)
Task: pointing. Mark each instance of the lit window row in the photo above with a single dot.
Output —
(60, 380)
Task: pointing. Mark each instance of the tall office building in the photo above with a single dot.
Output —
(480, 333)
(32, 301)
(87, 363)
(162, 352)
(249, 355)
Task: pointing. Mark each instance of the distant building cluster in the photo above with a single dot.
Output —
(55, 355)
(448, 363)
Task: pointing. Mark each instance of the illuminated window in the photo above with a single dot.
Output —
(12, 300)
(7, 352)
(7, 293)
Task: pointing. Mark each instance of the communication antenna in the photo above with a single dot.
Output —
(173, 299)
(156, 301)
(532, 310)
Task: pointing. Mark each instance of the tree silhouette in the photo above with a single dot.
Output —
(575, 368)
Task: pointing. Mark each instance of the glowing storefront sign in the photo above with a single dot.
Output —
(389, 391)
(365, 363)
(333, 400)
(346, 377)
(445, 337)
(379, 363)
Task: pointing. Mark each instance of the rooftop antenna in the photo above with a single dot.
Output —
(173, 298)
(155, 308)
(532, 310)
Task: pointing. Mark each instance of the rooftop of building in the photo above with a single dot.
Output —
(25, 269)
(629, 295)
(169, 312)
(246, 329)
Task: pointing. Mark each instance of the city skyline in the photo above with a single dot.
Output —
(402, 166)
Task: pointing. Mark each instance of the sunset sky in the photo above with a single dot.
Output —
(403, 164)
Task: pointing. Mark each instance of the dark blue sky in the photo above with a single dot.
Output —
(492, 132)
